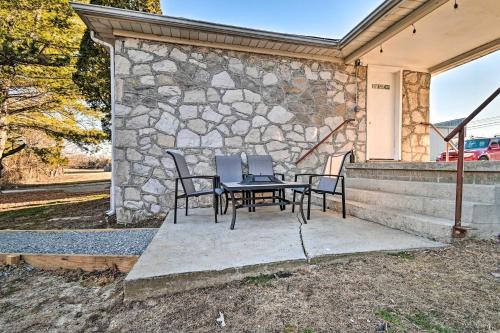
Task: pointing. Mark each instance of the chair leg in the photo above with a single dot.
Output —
(220, 204)
(187, 205)
(324, 202)
(216, 205)
(253, 201)
(175, 202)
(343, 198)
(293, 201)
(281, 193)
(227, 203)
(247, 200)
(309, 205)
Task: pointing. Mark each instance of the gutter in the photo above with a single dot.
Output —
(111, 48)
(131, 15)
(379, 12)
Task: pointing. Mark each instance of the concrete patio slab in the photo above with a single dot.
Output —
(327, 234)
(196, 252)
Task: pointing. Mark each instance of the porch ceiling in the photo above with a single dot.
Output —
(445, 38)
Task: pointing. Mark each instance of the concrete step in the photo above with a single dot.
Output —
(422, 225)
(472, 212)
(476, 172)
(472, 192)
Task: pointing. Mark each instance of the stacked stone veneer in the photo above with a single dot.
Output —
(415, 137)
(205, 102)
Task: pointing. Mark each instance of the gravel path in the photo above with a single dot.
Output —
(119, 242)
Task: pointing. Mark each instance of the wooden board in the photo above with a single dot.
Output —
(87, 263)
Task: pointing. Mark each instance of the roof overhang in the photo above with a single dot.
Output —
(445, 37)
(384, 22)
(109, 23)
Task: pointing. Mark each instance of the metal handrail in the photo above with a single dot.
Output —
(323, 140)
(447, 144)
(458, 231)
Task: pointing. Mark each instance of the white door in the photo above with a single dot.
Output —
(383, 114)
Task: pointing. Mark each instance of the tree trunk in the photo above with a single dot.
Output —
(3, 141)
(4, 90)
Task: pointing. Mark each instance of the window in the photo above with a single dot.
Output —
(477, 144)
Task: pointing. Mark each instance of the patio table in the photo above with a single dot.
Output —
(247, 201)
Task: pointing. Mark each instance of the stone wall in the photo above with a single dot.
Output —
(205, 102)
(415, 138)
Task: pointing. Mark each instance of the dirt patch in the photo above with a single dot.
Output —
(43, 210)
(440, 290)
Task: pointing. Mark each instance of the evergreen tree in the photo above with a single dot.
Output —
(38, 46)
(93, 75)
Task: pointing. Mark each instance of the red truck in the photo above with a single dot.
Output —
(480, 149)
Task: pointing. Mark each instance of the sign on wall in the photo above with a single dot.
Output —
(381, 86)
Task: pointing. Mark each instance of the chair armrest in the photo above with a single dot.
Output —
(303, 174)
(324, 175)
(282, 175)
(194, 177)
(215, 179)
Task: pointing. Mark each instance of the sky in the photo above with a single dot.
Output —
(322, 18)
(458, 92)
(454, 94)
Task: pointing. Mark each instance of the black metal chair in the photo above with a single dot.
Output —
(327, 182)
(262, 165)
(228, 169)
(188, 186)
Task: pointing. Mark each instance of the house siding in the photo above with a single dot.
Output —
(205, 102)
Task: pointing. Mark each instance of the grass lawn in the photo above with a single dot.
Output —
(452, 289)
(70, 176)
(53, 210)
(42, 210)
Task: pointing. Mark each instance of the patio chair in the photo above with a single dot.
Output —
(262, 165)
(228, 169)
(327, 182)
(188, 186)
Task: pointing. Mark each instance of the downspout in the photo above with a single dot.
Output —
(111, 210)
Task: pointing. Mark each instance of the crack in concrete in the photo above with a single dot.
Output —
(302, 239)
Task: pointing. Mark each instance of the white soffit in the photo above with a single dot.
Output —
(387, 14)
(445, 38)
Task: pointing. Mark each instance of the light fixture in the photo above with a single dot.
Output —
(455, 5)
(381, 50)
(414, 29)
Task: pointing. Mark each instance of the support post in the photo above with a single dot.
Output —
(458, 231)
